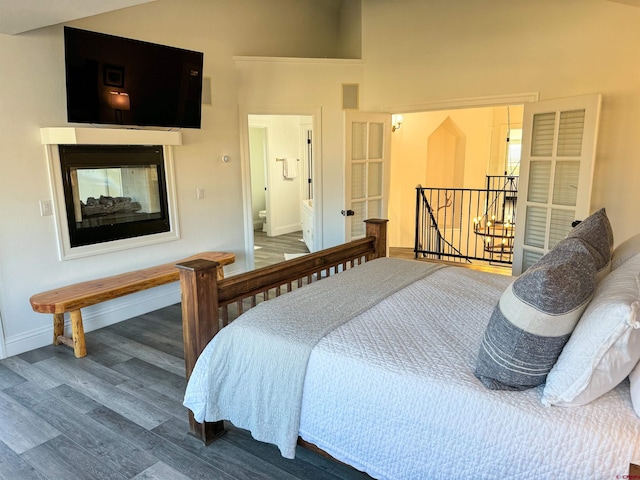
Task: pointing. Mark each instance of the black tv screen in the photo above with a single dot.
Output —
(115, 80)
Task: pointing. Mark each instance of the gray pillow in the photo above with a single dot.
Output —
(534, 319)
(575, 244)
(596, 231)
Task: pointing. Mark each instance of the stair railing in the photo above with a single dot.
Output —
(462, 224)
(429, 240)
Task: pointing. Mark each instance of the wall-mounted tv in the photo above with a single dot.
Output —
(116, 80)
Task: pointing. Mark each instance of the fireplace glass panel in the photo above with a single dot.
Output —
(113, 193)
(103, 196)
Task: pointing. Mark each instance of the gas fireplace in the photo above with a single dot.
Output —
(113, 189)
(113, 192)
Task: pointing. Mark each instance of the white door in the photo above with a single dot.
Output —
(367, 166)
(556, 172)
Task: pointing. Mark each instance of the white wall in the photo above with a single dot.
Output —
(351, 29)
(295, 86)
(32, 95)
(284, 195)
(420, 52)
(411, 155)
(415, 53)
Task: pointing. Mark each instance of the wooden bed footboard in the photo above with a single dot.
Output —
(209, 304)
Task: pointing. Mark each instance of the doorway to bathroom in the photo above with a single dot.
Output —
(280, 149)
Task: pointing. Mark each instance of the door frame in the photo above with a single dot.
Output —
(245, 164)
(3, 350)
(461, 103)
(266, 127)
(469, 102)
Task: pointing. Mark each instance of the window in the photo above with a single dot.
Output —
(513, 150)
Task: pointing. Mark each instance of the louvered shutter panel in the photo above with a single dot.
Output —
(558, 149)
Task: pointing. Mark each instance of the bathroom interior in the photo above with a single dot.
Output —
(281, 160)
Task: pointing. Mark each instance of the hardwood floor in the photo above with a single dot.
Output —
(408, 253)
(272, 249)
(118, 414)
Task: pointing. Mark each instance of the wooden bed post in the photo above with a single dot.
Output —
(377, 228)
(200, 322)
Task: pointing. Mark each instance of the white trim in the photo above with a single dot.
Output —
(107, 136)
(98, 316)
(52, 137)
(267, 178)
(470, 102)
(299, 60)
(3, 350)
(245, 164)
(104, 314)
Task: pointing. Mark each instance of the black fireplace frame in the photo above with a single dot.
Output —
(110, 156)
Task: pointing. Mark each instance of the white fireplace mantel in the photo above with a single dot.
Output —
(107, 136)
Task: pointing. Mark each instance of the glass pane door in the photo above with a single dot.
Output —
(367, 165)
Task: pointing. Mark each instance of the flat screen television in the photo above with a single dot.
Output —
(121, 81)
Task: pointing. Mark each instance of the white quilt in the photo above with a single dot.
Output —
(392, 393)
(252, 373)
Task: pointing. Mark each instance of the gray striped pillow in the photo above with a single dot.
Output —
(534, 319)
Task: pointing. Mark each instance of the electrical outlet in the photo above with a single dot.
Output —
(199, 193)
(45, 208)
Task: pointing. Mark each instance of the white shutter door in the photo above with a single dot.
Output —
(556, 172)
(367, 155)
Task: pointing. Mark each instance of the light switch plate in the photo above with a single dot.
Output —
(45, 208)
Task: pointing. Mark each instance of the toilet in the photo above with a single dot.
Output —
(263, 215)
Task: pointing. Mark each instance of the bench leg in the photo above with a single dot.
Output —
(79, 347)
(77, 333)
(58, 327)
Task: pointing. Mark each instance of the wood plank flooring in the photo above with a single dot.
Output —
(117, 414)
(272, 249)
(484, 266)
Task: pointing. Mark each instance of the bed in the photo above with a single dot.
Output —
(377, 367)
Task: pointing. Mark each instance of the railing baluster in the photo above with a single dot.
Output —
(444, 222)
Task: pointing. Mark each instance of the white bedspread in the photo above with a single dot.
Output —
(392, 393)
(252, 373)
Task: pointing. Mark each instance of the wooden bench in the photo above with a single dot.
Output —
(74, 297)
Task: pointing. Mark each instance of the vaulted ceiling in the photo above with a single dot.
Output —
(18, 16)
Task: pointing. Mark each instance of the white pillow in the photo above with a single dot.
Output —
(634, 379)
(626, 250)
(605, 345)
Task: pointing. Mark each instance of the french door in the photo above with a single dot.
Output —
(556, 173)
(367, 164)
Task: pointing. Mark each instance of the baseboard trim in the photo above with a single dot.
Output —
(105, 314)
(296, 227)
(99, 316)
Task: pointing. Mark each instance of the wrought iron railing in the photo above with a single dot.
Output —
(463, 224)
